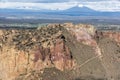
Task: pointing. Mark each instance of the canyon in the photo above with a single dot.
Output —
(59, 52)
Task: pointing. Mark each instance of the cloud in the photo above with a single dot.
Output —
(106, 5)
(54, 1)
(36, 6)
(37, 1)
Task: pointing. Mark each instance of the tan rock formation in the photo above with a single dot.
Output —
(71, 51)
(24, 50)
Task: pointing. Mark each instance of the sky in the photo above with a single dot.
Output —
(98, 5)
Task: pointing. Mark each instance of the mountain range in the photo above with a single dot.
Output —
(74, 11)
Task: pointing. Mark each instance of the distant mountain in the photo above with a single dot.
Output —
(74, 11)
(85, 11)
(79, 9)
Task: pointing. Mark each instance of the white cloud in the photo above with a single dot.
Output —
(111, 5)
(104, 5)
(35, 6)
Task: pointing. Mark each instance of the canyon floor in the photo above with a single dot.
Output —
(59, 52)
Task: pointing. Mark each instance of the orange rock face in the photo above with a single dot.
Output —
(12, 63)
(22, 51)
(83, 33)
(58, 55)
(112, 35)
(25, 55)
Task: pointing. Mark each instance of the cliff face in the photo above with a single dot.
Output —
(26, 50)
(58, 52)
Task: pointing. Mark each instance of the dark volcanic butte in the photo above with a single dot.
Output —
(59, 52)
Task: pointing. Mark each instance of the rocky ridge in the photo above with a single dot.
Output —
(72, 52)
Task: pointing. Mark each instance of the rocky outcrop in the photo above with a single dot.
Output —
(25, 50)
(71, 51)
